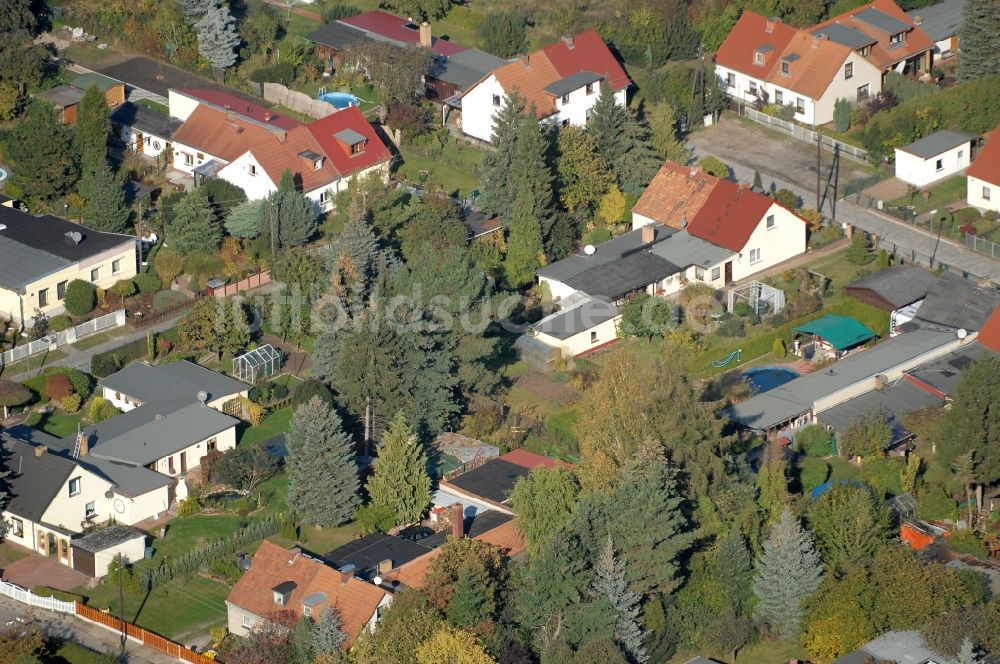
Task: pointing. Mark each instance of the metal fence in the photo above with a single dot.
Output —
(805, 134)
(53, 341)
(27, 597)
(982, 246)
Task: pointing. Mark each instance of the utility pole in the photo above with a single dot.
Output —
(819, 167)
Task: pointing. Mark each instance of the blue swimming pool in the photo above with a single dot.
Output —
(340, 100)
(763, 379)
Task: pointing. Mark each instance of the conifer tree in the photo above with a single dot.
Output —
(106, 210)
(524, 244)
(850, 523)
(624, 142)
(531, 173)
(467, 606)
(322, 474)
(293, 211)
(328, 634)
(41, 155)
(194, 226)
(609, 582)
(979, 56)
(194, 10)
(91, 131)
(302, 639)
(246, 220)
(772, 482)
(218, 38)
(972, 424)
(787, 573)
(734, 569)
(498, 191)
(400, 481)
(968, 653)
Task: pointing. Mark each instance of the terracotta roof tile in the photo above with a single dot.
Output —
(989, 335)
(729, 216)
(325, 130)
(882, 55)
(526, 459)
(749, 34)
(589, 53)
(272, 565)
(986, 167)
(814, 63)
(529, 77)
(240, 106)
(222, 136)
(675, 194)
(277, 156)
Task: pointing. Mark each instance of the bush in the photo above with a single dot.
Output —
(778, 348)
(218, 634)
(103, 365)
(935, 504)
(966, 541)
(58, 387)
(79, 381)
(733, 327)
(372, 518)
(814, 441)
(60, 323)
(281, 72)
(714, 166)
(188, 507)
(71, 403)
(812, 473)
(80, 298)
(168, 264)
(278, 391)
(336, 12)
(147, 282)
(101, 409)
(166, 299)
(309, 389)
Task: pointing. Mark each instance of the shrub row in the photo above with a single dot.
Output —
(79, 380)
(103, 365)
(210, 551)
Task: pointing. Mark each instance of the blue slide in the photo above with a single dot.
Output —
(735, 355)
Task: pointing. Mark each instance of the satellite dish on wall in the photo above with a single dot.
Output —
(589, 249)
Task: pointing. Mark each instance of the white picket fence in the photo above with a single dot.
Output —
(28, 597)
(803, 133)
(53, 341)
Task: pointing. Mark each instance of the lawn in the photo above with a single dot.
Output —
(153, 106)
(275, 423)
(97, 339)
(454, 169)
(838, 269)
(73, 653)
(941, 194)
(34, 362)
(55, 423)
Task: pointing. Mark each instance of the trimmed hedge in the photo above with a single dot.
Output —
(147, 282)
(103, 365)
(80, 298)
(282, 72)
(79, 380)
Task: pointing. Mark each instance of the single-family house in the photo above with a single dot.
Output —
(39, 256)
(758, 231)
(561, 81)
(182, 102)
(942, 154)
(764, 61)
(899, 289)
(983, 176)
(142, 130)
(895, 646)
(941, 22)
(283, 579)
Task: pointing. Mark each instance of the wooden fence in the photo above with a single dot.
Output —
(249, 283)
(143, 636)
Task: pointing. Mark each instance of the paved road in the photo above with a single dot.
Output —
(69, 628)
(789, 163)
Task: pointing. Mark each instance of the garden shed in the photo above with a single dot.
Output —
(93, 553)
(833, 335)
(942, 154)
(261, 362)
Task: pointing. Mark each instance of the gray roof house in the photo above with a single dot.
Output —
(172, 382)
(938, 142)
(941, 22)
(893, 287)
(906, 647)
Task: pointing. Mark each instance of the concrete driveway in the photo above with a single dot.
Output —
(35, 570)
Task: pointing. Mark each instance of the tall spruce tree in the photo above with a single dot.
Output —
(772, 482)
(979, 56)
(525, 253)
(296, 219)
(193, 226)
(973, 422)
(218, 38)
(733, 568)
(106, 210)
(467, 606)
(194, 10)
(624, 142)
(328, 635)
(532, 174)
(322, 475)
(91, 131)
(609, 583)
(400, 482)
(850, 524)
(41, 155)
(788, 572)
(498, 191)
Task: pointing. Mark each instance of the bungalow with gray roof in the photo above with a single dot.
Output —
(941, 155)
(941, 22)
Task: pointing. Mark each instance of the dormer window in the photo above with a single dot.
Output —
(758, 58)
(785, 67)
(897, 39)
(283, 592)
(352, 142)
(313, 158)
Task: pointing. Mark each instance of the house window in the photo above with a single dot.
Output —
(753, 88)
(754, 256)
(593, 337)
(496, 100)
(188, 159)
(785, 68)
(565, 123)
(17, 527)
(322, 197)
(863, 92)
(43, 297)
(716, 273)
(848, 71)
(986, 193)
(800, 105)
(89, 510)
(961, 153)
(896, 39)
(247, 621)
(699, 274)
(116, 266)
(758, 58)
(307, 610)
(590, 88)
(770, 221)
(212, 444)
(74, 487)
(60, 290)
(939, 165)
(779, 97)
(95, 274)
(201, 157)
(358, 148)
(565, 99)
(252, 169)
(730, 80)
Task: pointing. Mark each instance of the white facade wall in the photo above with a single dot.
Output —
(181, 106)
(225, 440)
(576, 109)
(239, 620)
(841, 87)
(580, 343)
(558, 289)
(152, 145)
(920, 172)
(743, 85)
(247, 173)
(139, 508)
(786, 239)
(28, 538)
(983, 195)
(132, 551)
(197, 158)
(478, 108)
(69, 512)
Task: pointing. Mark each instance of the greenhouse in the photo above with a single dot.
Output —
(261, 362)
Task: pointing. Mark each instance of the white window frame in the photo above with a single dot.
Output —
(939, 165)
(78, 483)
(716, 273)
(769, 222)
(800, 105)
(753, 88)
(61, 290)
(986, 193)
(252, 170)
(247, 621)
(849, 71)
(497, 101)
(90, 509)
(864, 92)
(786, 68)
(699, 273)
(779, 97)
(307, 610)
(188, 159)
(95, 274)
(730, 80)
(116, 266)
(565, 99)
(17, 526)
(43, 297)
(897, 39)
(758, 58)
(593, 336)
(754, 256)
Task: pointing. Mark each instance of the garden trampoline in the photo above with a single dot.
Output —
(258, 363)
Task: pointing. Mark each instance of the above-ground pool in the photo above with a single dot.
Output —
(339, 99)
(763, 379)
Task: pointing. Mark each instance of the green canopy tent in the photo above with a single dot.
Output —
(838, 333)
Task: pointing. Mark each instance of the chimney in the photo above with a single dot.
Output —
(769, 25)
(385, 567)
(457, 519)
(526, 60)
(40, 450)
(918, 20)
(346, 574)
(819, 37)
(426, 38)
(84, 444)
(568, 40)
(648, 234)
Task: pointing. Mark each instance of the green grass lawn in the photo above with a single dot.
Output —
(941, 194)
(841, 469)
(275, 423)
(455, 170)
(34, 362)
(838, 269)
(55, 423)
(69, 652)
(97, 339)
(153, 106)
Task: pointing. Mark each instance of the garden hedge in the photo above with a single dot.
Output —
(80, 298)
(103, 365)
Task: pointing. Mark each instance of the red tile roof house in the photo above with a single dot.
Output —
(226, 137)
(280, 578)
(765, 61)
(562, 81)
(983, 177)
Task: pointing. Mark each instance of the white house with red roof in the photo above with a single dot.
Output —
(561, 81)
(223, 136)
(983, 177)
